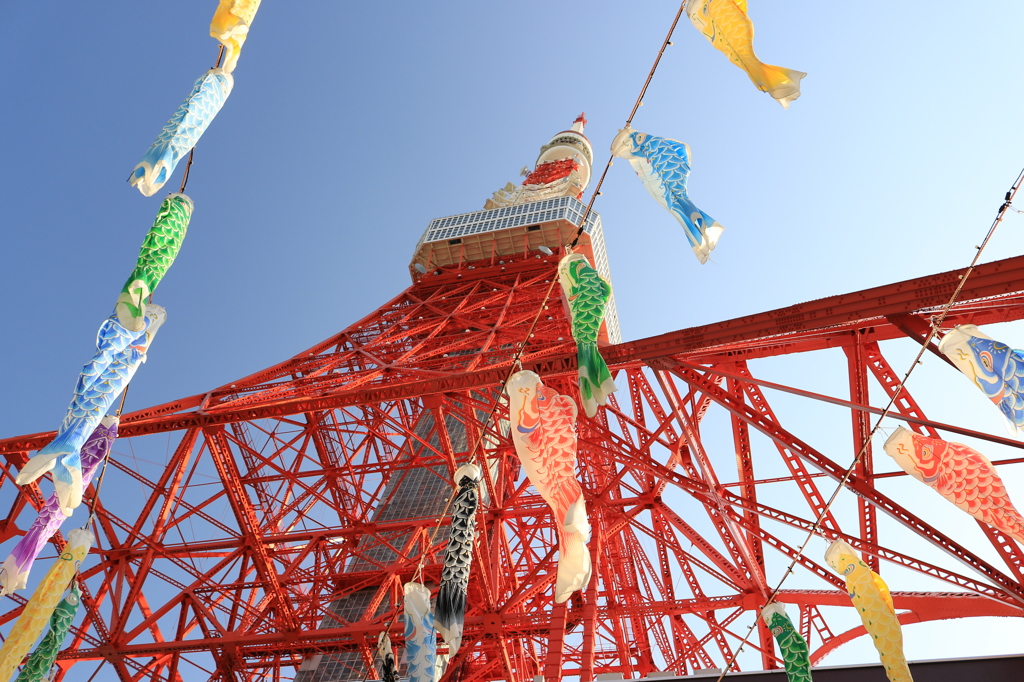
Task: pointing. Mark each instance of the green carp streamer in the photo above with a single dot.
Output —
(37, 669)
(158, 251)
(793, 647)
(587, 294)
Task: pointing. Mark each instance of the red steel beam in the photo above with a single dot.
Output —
(698, 489)
(854, 482)
(883, 312)
(521, 624)
(865, 468)
(911, 417)
(821, 323)
(869, 306)
(248, 523)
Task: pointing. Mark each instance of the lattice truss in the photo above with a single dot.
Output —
(263, 531)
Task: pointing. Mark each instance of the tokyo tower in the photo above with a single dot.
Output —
(294, 503)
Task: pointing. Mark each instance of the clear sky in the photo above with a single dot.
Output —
(352, 125)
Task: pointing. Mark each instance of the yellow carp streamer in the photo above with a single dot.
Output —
(36, 615)
(871, 598)
(728, 28)
(230, 26)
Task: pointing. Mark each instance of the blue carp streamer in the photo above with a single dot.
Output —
(182, 132)
(420, 635)
(664, 166)
(994, 367)
(119, 353)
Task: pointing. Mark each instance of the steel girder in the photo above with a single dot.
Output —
(232, 555)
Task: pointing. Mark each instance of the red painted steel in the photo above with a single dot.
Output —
(551, 171)
(259, 509)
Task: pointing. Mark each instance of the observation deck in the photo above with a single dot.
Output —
(460, 241)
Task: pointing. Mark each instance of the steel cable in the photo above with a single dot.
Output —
(517, 358)
(936, 324)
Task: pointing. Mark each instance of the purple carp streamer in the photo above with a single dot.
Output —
(16, 567)
(119, 353)
(44, 600)
(543, 426)
(450, 605)
(960, 474)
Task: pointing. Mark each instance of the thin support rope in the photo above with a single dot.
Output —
(474, 450)
(97, 670)
(188, 167)
(516, 361)
(192, 152)
(106, 458)
(936, 324)
(629, 120)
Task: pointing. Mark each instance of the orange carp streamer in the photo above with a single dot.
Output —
(728, 28)
(230, 26)
(544, 433)
(960, 474)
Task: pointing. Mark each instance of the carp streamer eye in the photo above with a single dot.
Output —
(986, 360)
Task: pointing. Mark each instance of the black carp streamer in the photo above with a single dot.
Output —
(450, 607)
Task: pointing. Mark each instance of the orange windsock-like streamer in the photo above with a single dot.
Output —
(960, 474)
(230, 26)
(544, 433)
(728, 28)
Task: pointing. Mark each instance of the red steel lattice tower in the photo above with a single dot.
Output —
(295, 502)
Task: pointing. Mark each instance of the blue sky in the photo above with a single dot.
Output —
(352, 125)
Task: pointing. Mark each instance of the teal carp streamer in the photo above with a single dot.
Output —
(663, 166)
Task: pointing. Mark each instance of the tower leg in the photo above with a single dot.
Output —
(556, 641)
